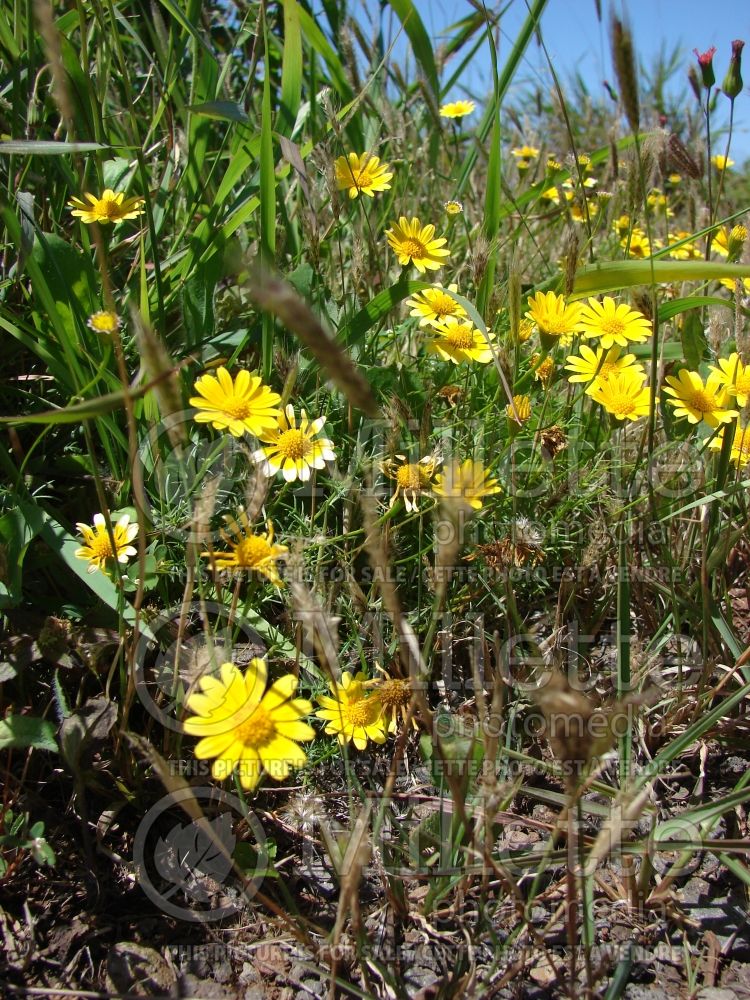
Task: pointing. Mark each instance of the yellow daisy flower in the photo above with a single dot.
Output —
(637, 244)
(623, 394)
(721, 162)
(740, 453)
(551, 194)
(453, 207)
(111, 207)
(598, 365)
(525, 152)
(688, 251)
(363, 174)
(294, 450)
(457, 109)
(353, 714)
(731, 284)
(466, 483)
(413, 479)
(97, 547)
(104, 322)
(434, 304)
(613, 323)
(255, 553)
(243, 405)
(555, 319)
(413, 243)
(696, 401)
(735, 377)
(622, 226)
(246, 727)
(458, 340)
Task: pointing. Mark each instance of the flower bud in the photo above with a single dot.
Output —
(732, 85)
(736, 242)
(705, 61)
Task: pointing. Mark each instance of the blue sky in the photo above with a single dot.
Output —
(576, 41)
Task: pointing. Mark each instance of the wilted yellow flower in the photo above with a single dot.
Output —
(696, 401)
(243, 405)
(104, 322)
(467, 483)
(414, 244)
(294, 450)
(246, 727)
(543, 371)
(362, 174)
(623, 394)
(457, 109)
(413, 479)
(111, 207)
(434, 304)
(97, 547)
(353, 714)
(394, 694)
(612, 323)
(458, 340)
(255, 553)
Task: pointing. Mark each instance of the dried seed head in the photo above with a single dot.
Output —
(680, 159)
(623, 56)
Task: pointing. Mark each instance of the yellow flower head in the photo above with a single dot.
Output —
(363, 174)
(353, 714)
(525, 152)
(246, 727)
(623, 394)
(394, 695)
(740, 454)
(622, 226)
(105, 322)
(413, 479)
(519, 413)
(598, 365)
(555, 319)
(294, 450)
(457, 109)
(612, 323)
(97, 548)
(255, 553)
(414, 244)
(688, 250)
(111, 207)
(637, 244)
(453, 207)
(434, 304)
(731, 284)
(458, 340)
(466, 484)
(696, 401)
(240, 406)
(735, 377)
(721, 162)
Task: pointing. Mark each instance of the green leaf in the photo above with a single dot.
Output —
(291, 67)
(611, 276)
(694, 343)
(351, 333)
(228, 111)
(45, 147)
(27, 731)
(16, 533)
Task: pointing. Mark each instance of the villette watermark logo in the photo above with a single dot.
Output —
(200, 855)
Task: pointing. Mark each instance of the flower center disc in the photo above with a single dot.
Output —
(413, 248)
(408, 477)
(461, 337)
(252, 551)
(101, 547)
(394, 693)
(612, 325)
(360, 712)
(622, 404)
(702, 401)
(238, 408)
(256, 730)
(293, 444)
